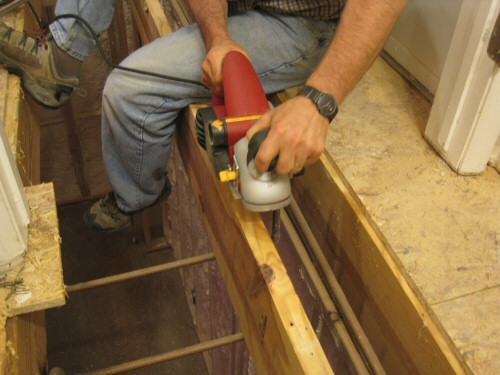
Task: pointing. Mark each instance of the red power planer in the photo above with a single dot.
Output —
(221, 130)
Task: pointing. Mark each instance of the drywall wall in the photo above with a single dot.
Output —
(421, 38)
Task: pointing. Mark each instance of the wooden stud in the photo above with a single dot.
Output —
(27, 345)
(75, 148)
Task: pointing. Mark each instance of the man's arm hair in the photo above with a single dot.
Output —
(363, 29)
(211, 17)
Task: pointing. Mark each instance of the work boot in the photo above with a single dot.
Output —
(47, 73)
(105, 216)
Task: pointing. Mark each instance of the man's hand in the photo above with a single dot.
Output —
(212, 66)
(297, 133)
(211, 17)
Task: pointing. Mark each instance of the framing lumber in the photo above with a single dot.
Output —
(181, 12)
(390, 299)
(150, 19)
(26, 348)
(277, 331)
(75, 147)
(117, 34)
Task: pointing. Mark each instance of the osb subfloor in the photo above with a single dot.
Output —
(444, 228)
(120, 322)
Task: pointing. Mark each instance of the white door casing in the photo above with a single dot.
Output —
(464, 123)
(14, 210)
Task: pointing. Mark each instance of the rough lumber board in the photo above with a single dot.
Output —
(276, 328)
(27, 345)
(160, 21)
(117, 35)
(41, 269)
(150, 19)
(75, 147)
(336, 214)
(182, 13)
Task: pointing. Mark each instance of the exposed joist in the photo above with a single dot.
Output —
(150, 19)
(272, 318)
(390, 299)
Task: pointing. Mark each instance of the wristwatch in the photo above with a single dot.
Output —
(325, 103)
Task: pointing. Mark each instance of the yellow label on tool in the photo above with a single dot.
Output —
(226, 176)
(220, 123)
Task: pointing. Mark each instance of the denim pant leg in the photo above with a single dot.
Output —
(71, 35)
(139, 112)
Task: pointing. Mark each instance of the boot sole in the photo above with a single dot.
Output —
(28, 80)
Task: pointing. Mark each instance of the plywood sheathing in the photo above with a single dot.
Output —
(444, 228)
(42, 285)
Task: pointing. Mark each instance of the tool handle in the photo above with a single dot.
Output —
(254, 146)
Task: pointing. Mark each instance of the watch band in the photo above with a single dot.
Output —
(326, 104)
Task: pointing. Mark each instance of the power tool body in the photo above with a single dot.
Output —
(221, 130)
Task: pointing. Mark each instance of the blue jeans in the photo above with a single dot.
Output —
(139, 112)
(73, 37)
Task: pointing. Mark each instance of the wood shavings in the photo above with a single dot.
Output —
(10, 349)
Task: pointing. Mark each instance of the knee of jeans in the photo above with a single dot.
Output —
(114, 90)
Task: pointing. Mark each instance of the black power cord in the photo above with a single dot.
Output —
(103, 53)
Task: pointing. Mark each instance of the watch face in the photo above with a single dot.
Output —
(326, 105)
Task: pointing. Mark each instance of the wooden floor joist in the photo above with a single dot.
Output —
(413, 340)
(277, 331)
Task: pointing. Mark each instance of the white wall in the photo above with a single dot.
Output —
(422, 36)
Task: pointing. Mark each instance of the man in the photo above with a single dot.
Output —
(328, 45)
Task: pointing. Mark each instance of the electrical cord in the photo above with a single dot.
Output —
(103, 53)
(110, 63)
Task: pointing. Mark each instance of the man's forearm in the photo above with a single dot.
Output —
(211, 17)
(363, 29)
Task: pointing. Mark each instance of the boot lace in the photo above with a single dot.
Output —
(39, 35)
(109, 206)
(7, 33)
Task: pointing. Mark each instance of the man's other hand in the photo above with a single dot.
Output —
(212, 66)
(297, 133)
